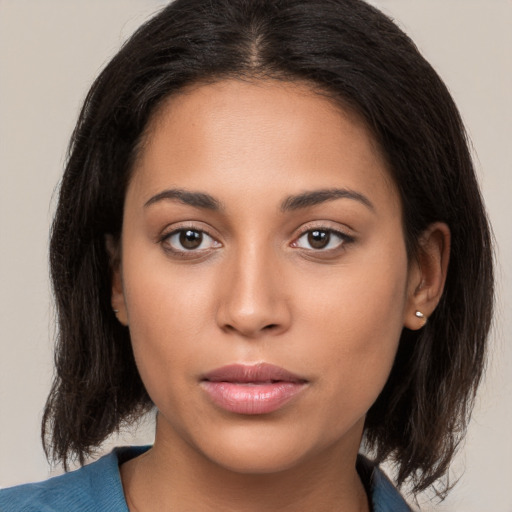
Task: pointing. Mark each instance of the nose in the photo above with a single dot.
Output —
(254, 301)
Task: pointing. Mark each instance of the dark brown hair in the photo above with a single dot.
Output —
(354, 53)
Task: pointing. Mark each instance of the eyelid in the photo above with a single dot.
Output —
(346, 237)
(184, 225)
(174, 229)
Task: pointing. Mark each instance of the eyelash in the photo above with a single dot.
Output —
(183, 252)
(344, 239)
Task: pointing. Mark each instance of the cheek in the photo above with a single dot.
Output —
(163, 297)
(357, 318)
(169, 321)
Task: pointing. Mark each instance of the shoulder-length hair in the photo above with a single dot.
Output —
(355, 54)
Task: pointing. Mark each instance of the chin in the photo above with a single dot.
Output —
(261, 451)
(257, 461)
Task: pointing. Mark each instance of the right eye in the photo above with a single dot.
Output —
(189, 240)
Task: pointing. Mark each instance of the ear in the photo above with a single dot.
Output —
(117, 294)
(427, 275)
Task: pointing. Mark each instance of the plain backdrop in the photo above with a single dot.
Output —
(51, 50)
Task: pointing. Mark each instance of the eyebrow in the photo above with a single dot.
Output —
(196, 199)
(315, 197)
(291, 203)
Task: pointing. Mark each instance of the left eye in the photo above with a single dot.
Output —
(183, 240)
(321, 239)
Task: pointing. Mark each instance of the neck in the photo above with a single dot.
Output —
(174, 476)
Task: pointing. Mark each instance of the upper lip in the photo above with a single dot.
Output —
(252, 373)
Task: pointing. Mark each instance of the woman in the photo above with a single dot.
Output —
(269, 229)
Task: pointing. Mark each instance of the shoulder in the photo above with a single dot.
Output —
(92, 488)
(384, 496)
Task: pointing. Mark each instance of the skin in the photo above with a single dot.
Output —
(257, 291)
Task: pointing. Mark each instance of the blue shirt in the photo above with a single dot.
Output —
(97, 488)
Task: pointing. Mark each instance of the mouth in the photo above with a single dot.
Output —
(252, 389)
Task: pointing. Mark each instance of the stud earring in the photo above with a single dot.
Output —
(421, 316)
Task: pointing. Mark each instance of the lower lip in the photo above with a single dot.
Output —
(252, 398)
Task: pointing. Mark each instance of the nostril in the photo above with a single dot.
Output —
(270, 327)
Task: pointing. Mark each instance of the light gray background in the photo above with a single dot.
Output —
(51, 50)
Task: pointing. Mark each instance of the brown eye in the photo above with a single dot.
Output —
(322, 240)
(190, 239)
(319, 239)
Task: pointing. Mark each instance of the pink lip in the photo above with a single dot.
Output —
(252, 389)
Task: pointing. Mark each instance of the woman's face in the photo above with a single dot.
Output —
(263, 276)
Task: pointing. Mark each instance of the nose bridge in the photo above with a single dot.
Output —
(254, 301)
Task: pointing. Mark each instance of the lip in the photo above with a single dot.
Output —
(252, 389)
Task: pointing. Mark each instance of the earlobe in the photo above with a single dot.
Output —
(427, 275)
(117, 291)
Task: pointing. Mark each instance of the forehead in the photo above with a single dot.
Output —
(244, 134)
